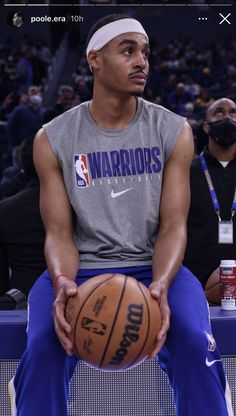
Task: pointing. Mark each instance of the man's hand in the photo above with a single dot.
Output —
(64, 289)
(159, 292)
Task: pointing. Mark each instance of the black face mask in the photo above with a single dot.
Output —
(223, 132)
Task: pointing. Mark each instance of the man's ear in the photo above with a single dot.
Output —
(205, 127)
(94, 60)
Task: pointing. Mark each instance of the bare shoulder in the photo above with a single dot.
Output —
(44, 157)
(41, 142)
(184, 147)
(176, 191)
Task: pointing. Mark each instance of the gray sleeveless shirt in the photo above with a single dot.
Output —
(114, 180)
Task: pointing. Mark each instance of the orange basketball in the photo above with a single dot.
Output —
(115, 322)
(212, 288)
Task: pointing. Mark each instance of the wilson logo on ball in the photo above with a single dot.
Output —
(130, 334)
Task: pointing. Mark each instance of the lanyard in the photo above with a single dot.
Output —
(212, 190)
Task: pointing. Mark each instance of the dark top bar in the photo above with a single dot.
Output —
(13, 332)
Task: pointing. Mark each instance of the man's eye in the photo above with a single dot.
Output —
(146, 54)
(128, 51)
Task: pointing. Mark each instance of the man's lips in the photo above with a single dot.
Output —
(139, 75)
(139, 78)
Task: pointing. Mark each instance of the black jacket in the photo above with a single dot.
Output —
(203, 253)
(21, 240)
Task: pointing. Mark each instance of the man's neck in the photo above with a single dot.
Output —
(111, 112)
(220, 153)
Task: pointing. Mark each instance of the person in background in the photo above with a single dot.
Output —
(212, 219)
(203, 102)
(24, 72)
(178, 98)
(22, 232)
(9, 103)
(13, 177)
(65, 96)
(26, 119)
(200, 137)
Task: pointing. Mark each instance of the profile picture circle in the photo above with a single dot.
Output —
(15, 18)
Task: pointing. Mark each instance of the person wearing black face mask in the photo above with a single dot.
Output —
(212, 214)
(223, 132)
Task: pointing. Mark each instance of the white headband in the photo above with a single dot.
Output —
(110, 31)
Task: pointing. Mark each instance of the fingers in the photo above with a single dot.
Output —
(158, 347)
(162, 334)
(161, 337)
(161, 296)
(155, 291)
(165, 318)
(62, 334)
(62, 327)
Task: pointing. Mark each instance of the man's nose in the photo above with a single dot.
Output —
(140, 60)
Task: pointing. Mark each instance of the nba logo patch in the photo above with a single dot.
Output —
(81, 171)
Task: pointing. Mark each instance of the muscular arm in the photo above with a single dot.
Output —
(60, 250)
(171, 240)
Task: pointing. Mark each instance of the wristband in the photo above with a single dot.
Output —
(57, 277)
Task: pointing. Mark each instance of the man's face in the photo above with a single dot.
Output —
(221, 123)
(180, 89)
(123, 64)
(223, 108)
(66, 99)
(33, 90)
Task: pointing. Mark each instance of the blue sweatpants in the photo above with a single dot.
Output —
(189, 357)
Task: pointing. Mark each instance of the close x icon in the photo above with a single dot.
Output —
(225, 19)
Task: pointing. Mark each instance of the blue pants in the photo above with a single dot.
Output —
(41, 382)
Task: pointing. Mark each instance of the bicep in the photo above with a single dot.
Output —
(55, 207)
(176, 190)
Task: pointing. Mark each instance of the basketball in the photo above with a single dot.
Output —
(212, 288)
(114, 322)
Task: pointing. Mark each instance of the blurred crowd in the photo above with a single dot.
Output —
(23, 71)
(185, 76)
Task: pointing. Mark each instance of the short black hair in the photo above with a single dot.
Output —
(104, 21)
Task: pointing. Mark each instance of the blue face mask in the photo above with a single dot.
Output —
(223, 132)
(35, 100)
